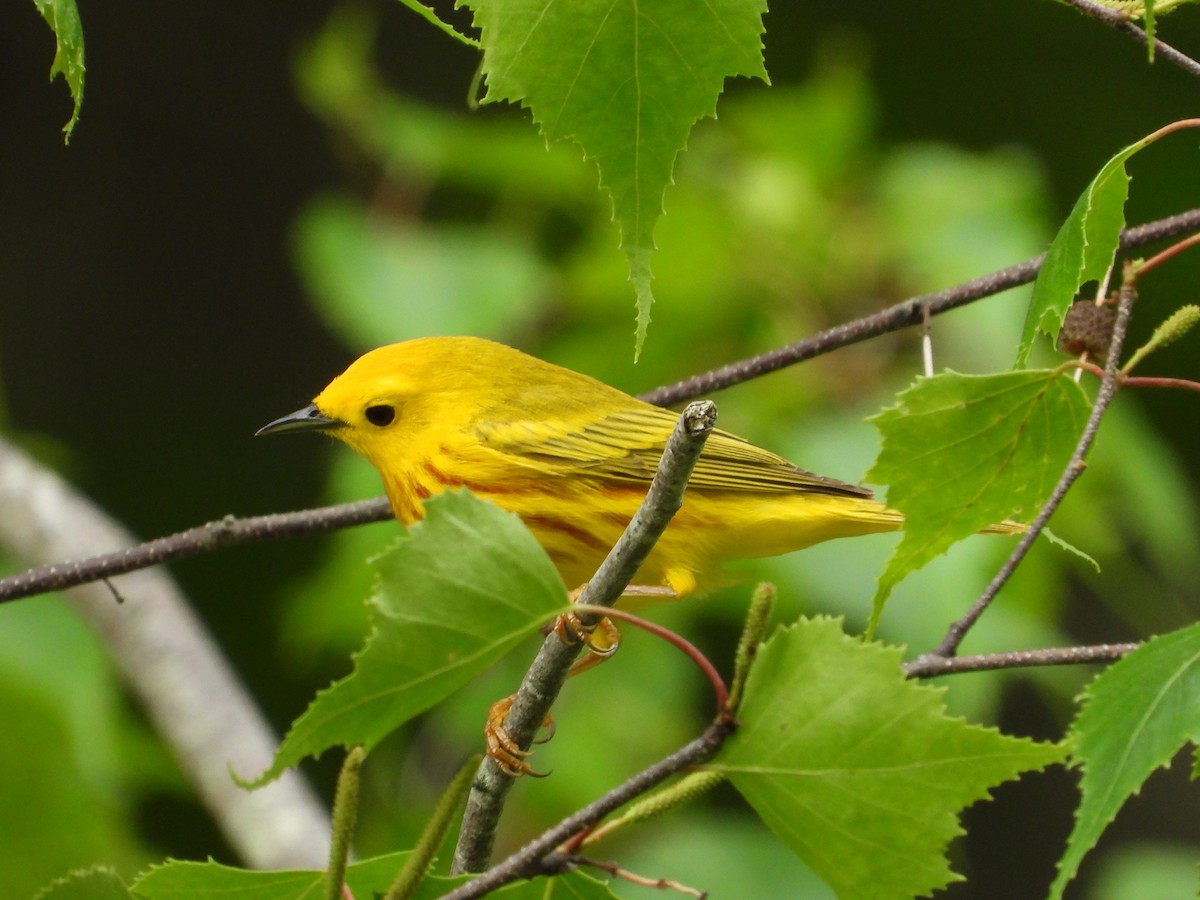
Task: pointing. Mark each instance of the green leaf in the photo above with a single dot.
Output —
(626, 80)
(962, 452)
(432, 18)
(63, 18)
(456, 593)
(1082, 250)
(858, 770)
(177, 880)
(92, 884)
(1135, 716)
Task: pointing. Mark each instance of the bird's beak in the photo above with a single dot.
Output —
(308, 419)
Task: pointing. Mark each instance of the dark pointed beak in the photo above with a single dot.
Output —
(307, 419)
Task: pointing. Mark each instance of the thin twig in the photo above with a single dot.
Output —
(216, 535)
(538, 856)
(930, 666)
(230, 531)
(1120, 21)
(1075, 466)
(902, 315)
(1144, 381)
(549, 670)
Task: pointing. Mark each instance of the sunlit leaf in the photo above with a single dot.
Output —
(858, 770)
(962, 452)
(63, 18)
(456, 593)
(1136, 716)
(625, 80)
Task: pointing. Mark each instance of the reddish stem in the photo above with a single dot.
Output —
(1144, 381)
(690, 649)
(1159, 258)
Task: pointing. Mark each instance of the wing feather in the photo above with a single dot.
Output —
(626, 445)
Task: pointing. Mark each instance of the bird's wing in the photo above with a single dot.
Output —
(626, 446)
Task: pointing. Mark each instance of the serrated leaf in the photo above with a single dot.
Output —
(858, 770)
(63, 18)
(1136, 715)
(626, 80)
(1082, 251)
(456, 593)
(962, 452)
(91, 884)
(179, 880)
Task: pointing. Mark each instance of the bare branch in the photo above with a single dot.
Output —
(539, 689)
(902, 315)
(931, 666)
(216, 535)
(230, 531)
(1121, 22)
(174, 667)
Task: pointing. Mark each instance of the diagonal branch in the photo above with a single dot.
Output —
(901, 315)
(1121, 22)
(229, 531)
(549, 670)
(538, 857)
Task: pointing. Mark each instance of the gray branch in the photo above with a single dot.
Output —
(173, 666)
(549, 670)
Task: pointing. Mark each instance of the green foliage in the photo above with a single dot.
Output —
(1082, 250)
(782, 213)
(83, 765)
(178, 880)
(859, 771)
(962, 452)
(92, 884)
(1136, 715)
(456, 593)
(63, 18)
(626, 81)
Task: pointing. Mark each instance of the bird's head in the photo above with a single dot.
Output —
(386, 397)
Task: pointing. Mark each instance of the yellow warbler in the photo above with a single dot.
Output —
(573, 458)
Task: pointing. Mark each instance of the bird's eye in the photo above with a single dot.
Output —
(381, 414)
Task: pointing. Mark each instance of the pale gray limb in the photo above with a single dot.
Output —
(172, 665)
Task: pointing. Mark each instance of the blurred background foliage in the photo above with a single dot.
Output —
(251, 201)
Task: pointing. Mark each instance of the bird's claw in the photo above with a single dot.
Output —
(503, 750)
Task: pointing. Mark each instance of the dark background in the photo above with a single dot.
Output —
(151, 320)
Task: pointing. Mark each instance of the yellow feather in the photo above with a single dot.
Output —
(573, 457)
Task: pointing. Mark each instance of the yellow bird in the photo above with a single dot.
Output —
(573, 458)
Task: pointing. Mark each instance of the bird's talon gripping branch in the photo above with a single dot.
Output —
(601, 639)
(502, 749)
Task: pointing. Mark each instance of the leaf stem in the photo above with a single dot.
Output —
(690, 650)
(422, 856)
(345, 816)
